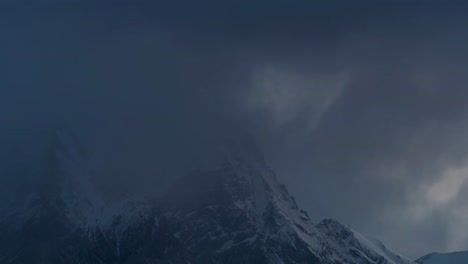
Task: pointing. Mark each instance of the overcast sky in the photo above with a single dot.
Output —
(361, 107)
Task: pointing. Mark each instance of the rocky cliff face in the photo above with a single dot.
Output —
(237, 212)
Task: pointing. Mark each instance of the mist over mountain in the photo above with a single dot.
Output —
(114, 108)
(237, 212)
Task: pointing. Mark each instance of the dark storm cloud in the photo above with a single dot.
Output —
(359, 106)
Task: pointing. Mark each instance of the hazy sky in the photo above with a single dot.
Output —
(361, 107)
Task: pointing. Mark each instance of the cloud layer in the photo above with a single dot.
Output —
(361, 108)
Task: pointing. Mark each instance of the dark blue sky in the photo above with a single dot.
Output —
(360, 107)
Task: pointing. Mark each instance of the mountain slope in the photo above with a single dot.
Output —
(445, 258)
(350, 244)
(241, 207)
(65, 221)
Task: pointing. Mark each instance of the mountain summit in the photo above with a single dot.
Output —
(237, 212)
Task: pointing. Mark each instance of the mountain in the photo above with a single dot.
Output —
(65, 221)
(445, 258)
(237, 212)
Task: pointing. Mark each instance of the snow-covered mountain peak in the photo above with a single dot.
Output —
(236, 212)
(68, 188)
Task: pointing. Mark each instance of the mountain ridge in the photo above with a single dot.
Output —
(237, 212)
